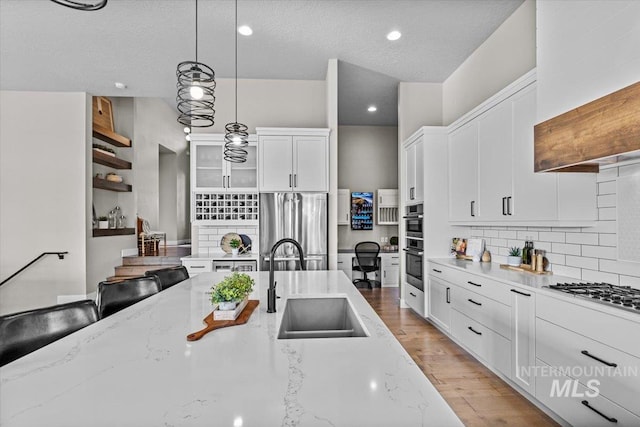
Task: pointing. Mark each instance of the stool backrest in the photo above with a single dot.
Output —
(168, 277)
(26, 331)
(115, 296)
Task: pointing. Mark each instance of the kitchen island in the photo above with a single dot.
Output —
(136, 368)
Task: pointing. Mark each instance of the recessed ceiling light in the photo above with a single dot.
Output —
(372, 109)
(394, 35)
(120, 85)
(245, 30)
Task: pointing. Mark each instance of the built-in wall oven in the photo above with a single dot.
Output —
(414, 254)
(413, 221)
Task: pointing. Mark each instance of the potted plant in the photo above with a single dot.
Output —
(514, 257)
(235, 246)
(103, 222)
(231, 291)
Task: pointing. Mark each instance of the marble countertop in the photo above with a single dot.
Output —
(222, 256)
(136, 368)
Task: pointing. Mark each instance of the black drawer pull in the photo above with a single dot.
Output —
(521, 293)
(437, 271)
(586, 353)
(474, 331)
(610, 419)
(412, 294)
(473, 302)
(474, 284)
(197, 266)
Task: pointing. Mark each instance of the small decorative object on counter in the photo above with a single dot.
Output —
(112, 218)
(235, 246)
(120, 221)
(514, 257)
(486, 256)
(103, 222)
(539, 261)
(231, 295)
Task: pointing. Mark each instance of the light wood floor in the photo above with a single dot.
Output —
(476, 395)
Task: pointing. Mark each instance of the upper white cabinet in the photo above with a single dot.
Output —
(414, 171)
(344, 206)
(387, 211)
(491, 168)
(210, 172)
(293, 159)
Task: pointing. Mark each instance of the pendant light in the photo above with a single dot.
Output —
(196, 84)
(236, 137)
(89, 6)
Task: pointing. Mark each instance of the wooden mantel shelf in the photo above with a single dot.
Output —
(110, 161)
(110, 137)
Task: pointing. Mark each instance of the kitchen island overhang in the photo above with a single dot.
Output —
(137, 368)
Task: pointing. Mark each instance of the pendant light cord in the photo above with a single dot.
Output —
(196, 31)
(236, 59)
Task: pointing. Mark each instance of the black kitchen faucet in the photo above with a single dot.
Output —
(271, 292)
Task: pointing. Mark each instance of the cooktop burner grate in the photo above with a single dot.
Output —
(624, 297)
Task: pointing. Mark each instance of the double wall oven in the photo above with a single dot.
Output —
(414, 245)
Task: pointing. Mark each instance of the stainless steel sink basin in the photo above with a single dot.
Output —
(320, 318)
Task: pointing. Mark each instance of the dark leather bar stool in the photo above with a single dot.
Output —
(115, 296)
(26, 331)
(367, 261)
(167, 277)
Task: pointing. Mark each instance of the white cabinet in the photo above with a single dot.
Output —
(293, 159)
(463, 173)
(414, 298)
(387, 206)
(523, 338)
(197, 266)
(344, 263)
(344, 206)
(414, 171)
(210, 172)
(390, 269)
(440, 302)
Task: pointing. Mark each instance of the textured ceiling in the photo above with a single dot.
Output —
(44, 46)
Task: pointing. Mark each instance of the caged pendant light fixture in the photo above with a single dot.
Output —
(196, 85)
(88, 6)
(236, 137)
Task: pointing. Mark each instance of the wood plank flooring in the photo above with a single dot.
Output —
(476, 394)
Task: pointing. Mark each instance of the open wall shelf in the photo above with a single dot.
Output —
(104, 184)
(101, 232)
(110, 161)
(110, 137)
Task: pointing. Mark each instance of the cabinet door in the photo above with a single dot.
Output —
(418, 195)
(275, 163)
(410, 171)
(209, 166)
(440, 303)
(534, 194)
(344, 206)
(390, 269)
(523, 317)
(463, 173)
(344, 263)
(494, 162)
(244, 176)
(311, 168)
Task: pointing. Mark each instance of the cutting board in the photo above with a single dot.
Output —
(523, 269)
(212, 325)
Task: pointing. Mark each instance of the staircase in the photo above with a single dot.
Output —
(136, 266)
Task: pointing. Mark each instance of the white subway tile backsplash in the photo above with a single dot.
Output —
(491, 233)
(528, 235)
(608, 240)
(539, 228)
(620, 267)
(582, 238)
(566, 229)
(599, 276)
(556, 258)
(563, 270)
(605, 214)
(599, 252)
(499, 242)
(634, 282)
(515, 243)
(564, 248)
(207, 244)
(508, 234)
(607, 201)
(582, 262)
(545, 246)
(602, 227)
(607, 187)
(552, 236)
(207, 230)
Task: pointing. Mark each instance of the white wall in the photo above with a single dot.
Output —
(332, 124)
(168, 211)
(586, 49)
(43, 150)
(506, 55)
(419, 104)
(367, 161)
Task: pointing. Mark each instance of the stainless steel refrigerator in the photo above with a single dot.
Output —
(299, 216)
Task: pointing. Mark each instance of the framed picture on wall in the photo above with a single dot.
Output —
(362, 211)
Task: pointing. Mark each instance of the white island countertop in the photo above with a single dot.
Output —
(136, 368)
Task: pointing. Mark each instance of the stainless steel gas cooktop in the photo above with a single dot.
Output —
(624, 297)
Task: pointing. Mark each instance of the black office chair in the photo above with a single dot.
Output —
(167, 277)
(26, 331)
(366, 261)
(115, 296)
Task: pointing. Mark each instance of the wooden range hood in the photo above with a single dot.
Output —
(601, 132)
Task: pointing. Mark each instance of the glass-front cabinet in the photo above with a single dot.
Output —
(210, 172)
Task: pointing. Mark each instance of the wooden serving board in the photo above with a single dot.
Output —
(523, 269)
(218, 324)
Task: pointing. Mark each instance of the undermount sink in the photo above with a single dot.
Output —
(320, 318)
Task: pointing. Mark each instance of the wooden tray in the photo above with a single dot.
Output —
(522, 268)
(218, 324)
(467, 257)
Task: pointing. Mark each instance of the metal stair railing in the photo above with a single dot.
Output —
(60, 256)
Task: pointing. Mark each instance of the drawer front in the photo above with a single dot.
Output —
(489, 346)
(196, 267)
(390, 260)
(442, 272)
(559, 347)
(486, 311)
(606, 328)
(414, 298)
(569, 405)
(489, 288)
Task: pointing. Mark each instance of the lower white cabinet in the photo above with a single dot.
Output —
(195, 267)
(523, 338)
(390, 269)
(440, 302)
(414, 297)
(344, 264)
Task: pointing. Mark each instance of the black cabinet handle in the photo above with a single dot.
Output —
(504, 208)
(474, 331)
(412, 294)
(509, 205)
(610, 419)
(197, 266)
(473, 202)
(521, 293)
(437, 271)
(290, 186)
(295, 180)
(474, 302)
(474, 284)
(586, 353)
(448, 295)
